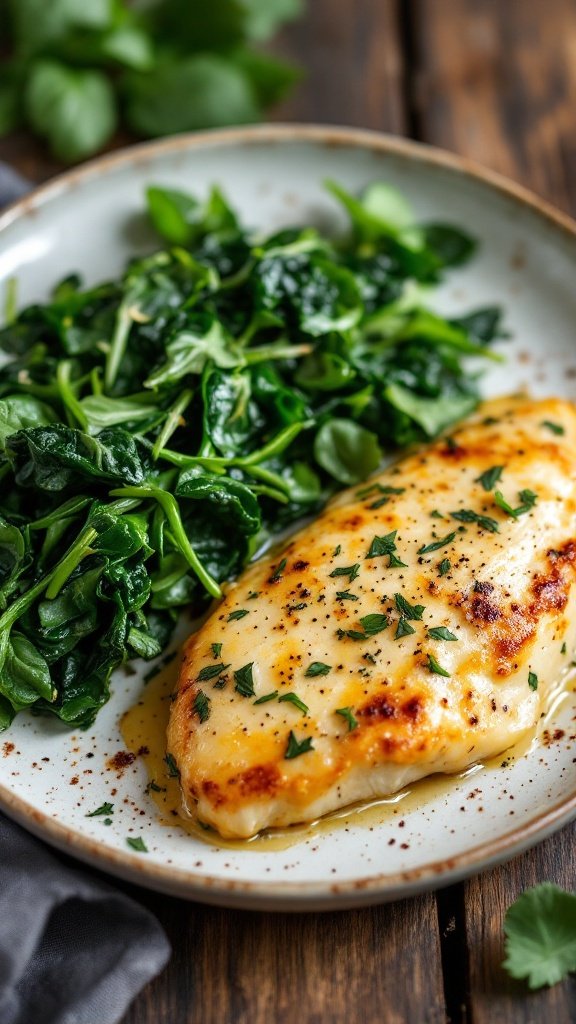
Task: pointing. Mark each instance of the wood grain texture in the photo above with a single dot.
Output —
(495, 81)
(351, 52)
(494, 998)
(376, 966)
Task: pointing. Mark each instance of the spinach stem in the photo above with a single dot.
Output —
(172, 421)
(77, 552)
(172, 512)
(118, 344)
(66, 388)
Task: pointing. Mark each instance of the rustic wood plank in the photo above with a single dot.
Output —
(496, 82)
(375, 966)
(352, 56)
(494, 997)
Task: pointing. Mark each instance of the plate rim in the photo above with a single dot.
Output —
(286, 895)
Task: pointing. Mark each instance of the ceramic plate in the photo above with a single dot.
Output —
(50, 779)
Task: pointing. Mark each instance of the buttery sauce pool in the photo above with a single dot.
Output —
(143, 729)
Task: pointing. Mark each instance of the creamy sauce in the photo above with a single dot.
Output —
(144, 726)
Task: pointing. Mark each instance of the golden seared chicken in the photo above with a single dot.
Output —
(415, 627)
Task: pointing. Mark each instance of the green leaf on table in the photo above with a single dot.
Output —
(74, 109)
(221, 26)
(130, 46)
(540, 929)
(40, 23)
(264, 17)
(270, 78)
(206, 91)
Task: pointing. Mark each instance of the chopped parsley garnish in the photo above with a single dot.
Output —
(407, 610)
(103, 809)
(396, 563)
(317, 668)
(532, 680)
(382, 545)
(466, 515)
(173, 769)
(352, 634)
(441, 633)
(211, 672)
(540, 929)
(266, 697)
(348, 715)
(345, 595)
(527, 497)
(444, 567)
(293, 698)
(490, 477)
(243, 681)
(435, 668)
(295, 748)
(437, 544)
(337, 551)
(403, 629)
(202, 706)
(153, 787)
(279, 569)
(563, 648)
(379, 489)
(137, 844)
(216, 650)
(296, 607)
(556, 428)
(253, 595)
(351, 571)
(374, 623)
(371, 624)
(386, 545)
(435, 514)
(238, 614)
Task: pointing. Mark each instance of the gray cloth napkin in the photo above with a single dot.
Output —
(72, 949)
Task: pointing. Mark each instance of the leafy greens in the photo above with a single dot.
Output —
(76, 68)
(156, 430)
(540, 932)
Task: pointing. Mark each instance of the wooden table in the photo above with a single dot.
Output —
(493, 80)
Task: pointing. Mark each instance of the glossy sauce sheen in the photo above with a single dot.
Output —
(508, 597)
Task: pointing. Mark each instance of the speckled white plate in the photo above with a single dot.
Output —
(91, 220)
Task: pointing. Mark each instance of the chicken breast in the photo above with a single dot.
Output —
(415, 627)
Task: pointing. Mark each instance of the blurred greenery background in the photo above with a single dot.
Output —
(75, 71)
